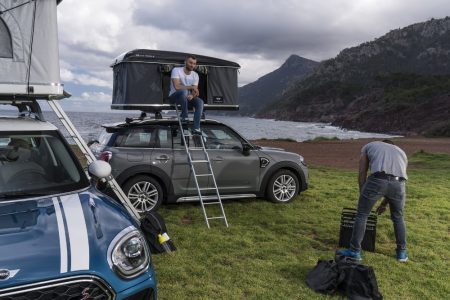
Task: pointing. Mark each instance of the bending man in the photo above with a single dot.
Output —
(388, 176)
(184, 91)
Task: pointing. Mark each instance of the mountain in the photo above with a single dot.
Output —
(255, 95)
(398, 83)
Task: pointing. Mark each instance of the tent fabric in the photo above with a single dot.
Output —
(142, 80)
(5, 41)
(35, 56)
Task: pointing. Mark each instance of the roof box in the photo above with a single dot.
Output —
(29, 57)
(142, 80)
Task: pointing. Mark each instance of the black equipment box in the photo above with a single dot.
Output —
(347, 220)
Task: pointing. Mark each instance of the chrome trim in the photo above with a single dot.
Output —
(57, 282)
(112, 246)
(212, 197)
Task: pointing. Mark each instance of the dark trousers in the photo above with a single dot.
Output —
(372, 191)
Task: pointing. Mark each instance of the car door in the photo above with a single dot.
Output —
(235, 171)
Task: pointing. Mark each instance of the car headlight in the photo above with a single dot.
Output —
(128, 253)
(302, 160)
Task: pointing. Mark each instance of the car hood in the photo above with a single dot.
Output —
(57, 236)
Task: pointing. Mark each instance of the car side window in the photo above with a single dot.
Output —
(164, 137)
(177, 138)
(137, 137)
(221, 137)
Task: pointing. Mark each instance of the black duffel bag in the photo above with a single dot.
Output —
(346, 276)
(358, 282)
(324, 278)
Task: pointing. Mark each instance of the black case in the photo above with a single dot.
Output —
(347, 219)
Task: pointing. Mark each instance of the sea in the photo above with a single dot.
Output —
(89, 125)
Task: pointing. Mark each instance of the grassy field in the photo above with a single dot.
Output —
(268, 249)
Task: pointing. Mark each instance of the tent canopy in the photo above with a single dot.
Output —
(142, 80)
(29, 55)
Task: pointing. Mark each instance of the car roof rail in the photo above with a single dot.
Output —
(29, 107)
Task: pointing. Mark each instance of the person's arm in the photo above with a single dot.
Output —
(179, 86)
(363, 168)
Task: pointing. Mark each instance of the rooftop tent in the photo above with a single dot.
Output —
(29, 57)
(142, 80)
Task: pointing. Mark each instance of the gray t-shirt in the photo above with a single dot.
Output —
(384, 157)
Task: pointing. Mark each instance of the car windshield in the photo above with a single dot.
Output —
(37, 164)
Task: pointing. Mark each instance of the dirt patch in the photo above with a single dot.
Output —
(345, 153)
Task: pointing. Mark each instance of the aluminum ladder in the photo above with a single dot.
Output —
(75, 135)
(204, 199)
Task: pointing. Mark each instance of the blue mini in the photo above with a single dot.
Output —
(60, 238)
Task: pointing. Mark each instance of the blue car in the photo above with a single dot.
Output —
(60, 238)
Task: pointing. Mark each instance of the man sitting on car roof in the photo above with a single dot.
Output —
(184, 91)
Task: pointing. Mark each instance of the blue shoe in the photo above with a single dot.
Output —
(402, 256)
(196, 131)
(356, 255)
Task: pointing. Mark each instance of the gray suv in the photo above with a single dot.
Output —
(149, 161)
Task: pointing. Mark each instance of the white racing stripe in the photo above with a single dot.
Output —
(62, 236)
(78, 236)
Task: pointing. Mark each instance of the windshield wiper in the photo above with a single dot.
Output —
(21, 195)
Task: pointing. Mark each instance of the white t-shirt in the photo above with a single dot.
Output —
(186, 80)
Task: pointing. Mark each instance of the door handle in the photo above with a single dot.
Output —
(162, 157)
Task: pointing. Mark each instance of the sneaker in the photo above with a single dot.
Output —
(184, 121)
(196, 131)
(356, 255)
(402, 256)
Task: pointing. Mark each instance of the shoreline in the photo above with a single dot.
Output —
(344, 154)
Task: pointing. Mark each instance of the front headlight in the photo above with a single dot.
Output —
(128, 253)
(302, 160)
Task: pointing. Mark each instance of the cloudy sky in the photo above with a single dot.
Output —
(257, 34)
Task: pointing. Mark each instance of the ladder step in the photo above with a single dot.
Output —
(212, 218)
(206, 189)
(208, 203)
(204, 175)
(199, 161)
(195, 148)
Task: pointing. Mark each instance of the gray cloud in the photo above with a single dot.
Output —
(258, 34)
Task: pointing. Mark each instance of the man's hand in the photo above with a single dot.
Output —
(382, 207)
(190, 97)
(195, 92)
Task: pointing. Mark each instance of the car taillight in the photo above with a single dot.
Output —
(105, 156)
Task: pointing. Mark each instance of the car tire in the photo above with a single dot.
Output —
(144, 192)
(283, 187)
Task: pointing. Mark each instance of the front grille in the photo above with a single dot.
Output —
(74, 288)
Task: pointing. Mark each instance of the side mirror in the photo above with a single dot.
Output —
(99, 169)
(246, 149)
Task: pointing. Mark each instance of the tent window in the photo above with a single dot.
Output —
(5, 41)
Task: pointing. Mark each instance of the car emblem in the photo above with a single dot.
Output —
(7, 274)
(263, 162)
(85, 294)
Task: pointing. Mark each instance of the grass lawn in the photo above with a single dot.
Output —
(268, 249)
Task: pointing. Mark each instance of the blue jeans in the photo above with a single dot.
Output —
(372, 191)
(180, 98)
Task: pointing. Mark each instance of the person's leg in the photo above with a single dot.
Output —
(180, 98)
(197, 103)
(396, 197)
(372, 190)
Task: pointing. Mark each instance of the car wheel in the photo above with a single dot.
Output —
(144, 192)
(283, 187)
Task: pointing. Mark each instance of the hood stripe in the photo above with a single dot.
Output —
(62, 235)
(78, 236)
